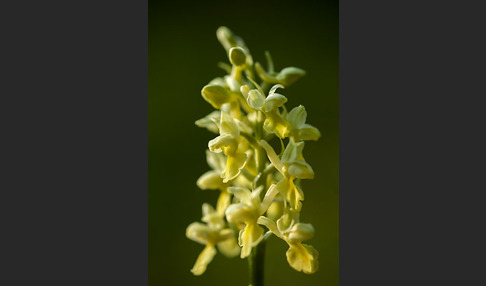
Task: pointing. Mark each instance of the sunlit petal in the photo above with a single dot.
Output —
(270, 225)
(229, 247)
(242, 194)
(274, 123)
(267, 200)
(300, 232)
(303, 258)
(235, 163)
(300, 169)
(272, 156)
(203, 260)
(210, 180)
(250, 236)
(292, 152)
(308, 132)
(238, 213)
(198, 232)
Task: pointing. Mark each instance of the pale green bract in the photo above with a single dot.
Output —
(257, 188)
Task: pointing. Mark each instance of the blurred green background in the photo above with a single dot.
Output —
(183, 53)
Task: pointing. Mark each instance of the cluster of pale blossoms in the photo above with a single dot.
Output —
(257, 187)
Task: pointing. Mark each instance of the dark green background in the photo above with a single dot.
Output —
(183, 52)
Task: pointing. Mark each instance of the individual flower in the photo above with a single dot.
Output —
(227, 143)
(208, 121)
(229, 40)
(274, 122)
(291, 166)
(217, 93)
(211, 234)
(246, 212)
(211, 180)
(287, 76)
(300, 130)
(301, 257)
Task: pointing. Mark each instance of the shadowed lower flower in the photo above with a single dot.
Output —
(247, 212)
(212, 234)
(301, 257)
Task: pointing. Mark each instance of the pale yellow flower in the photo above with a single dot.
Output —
(274, 122)
(301, 257)
(246, 212)
(211, 234)
(211, 180)
(287, 76)
(300, 130)
(291, 166)
(227, 143)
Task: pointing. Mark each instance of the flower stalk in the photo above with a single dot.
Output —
(256, 263)
(260, 191)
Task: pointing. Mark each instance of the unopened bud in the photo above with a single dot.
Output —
(216, 95)
(289, 75)
(237, 56)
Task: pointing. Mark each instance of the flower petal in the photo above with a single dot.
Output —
(267, 200)
(292, 151)
(243, 127)
(308, 132)
(255, 99)
(250, 236)
(274, 123)
(297, 116)
(207, 209)
(300, 169)
(291, 193)
(289, 75)
(228, 126)
(224, 200)
(229, 39)
(229, 247)
(273, 101)
(223, 143)
(303, 257)
(275, 210)
(300, 232)
(216, 95)
(210, 180)
(242, 194)
(216, 161)
(238, 213)
(234, 164)
(274, 88)
(237, 56)
(198, 232)
(208, 121)
(272, 156)
(270, 225)
(244, 89)
(265, 76)
(255, 197)
(203, 260)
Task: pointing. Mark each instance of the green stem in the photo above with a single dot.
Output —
(256, 262)
(257, 256)
(260, 153)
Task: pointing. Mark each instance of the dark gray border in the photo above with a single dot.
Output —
(410, 82)
(74, 175)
